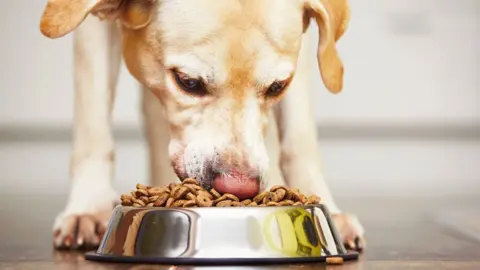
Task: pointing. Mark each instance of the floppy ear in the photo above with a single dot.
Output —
(61, 17)
(332, 17)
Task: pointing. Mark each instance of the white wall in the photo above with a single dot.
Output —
(410, 63)
(413, 61)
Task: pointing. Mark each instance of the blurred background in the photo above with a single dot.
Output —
(407, 123)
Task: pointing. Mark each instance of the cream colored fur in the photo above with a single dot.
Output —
(202, 38)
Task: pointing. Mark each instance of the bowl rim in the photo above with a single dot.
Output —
(94, 256)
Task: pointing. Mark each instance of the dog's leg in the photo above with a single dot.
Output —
(91, 197)
(157, 135)
(300, 160)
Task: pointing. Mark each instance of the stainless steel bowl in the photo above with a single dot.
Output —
(223, 235)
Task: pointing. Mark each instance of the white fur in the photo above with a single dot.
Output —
(270, 71)
(97, 63)
(90, 193)
(301, 163)
(255, 148)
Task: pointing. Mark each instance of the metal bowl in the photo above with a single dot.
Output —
(220, 235)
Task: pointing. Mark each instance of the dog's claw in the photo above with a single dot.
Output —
(68, 241)
(80, 241)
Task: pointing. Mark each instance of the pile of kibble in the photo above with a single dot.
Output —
(190, 194)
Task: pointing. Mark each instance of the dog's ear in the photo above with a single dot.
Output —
(61, 17)
(332, 17)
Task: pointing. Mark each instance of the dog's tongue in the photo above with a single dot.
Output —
(237, 184)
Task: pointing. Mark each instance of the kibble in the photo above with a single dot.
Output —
(334, 260)
(190, 194)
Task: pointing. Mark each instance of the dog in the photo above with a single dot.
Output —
(226, 97)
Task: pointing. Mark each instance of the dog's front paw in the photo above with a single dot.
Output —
(351, 231)
(80, 231)
(84, 221)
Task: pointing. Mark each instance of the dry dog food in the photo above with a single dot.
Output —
(190, 194)
(334, 260)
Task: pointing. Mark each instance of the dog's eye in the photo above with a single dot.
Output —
(276, 88)
(190, 85)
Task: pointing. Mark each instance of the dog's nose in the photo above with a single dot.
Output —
(242, 185)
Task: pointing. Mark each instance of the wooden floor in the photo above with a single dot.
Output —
(401, 234)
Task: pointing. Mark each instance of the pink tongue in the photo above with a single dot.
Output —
(237, 184)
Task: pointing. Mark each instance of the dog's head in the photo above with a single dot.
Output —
(217, 66)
